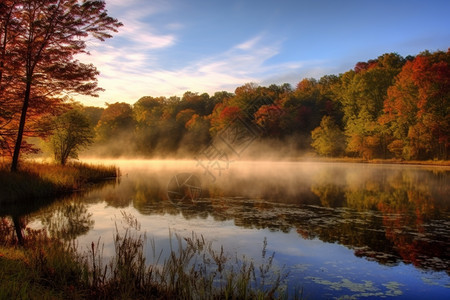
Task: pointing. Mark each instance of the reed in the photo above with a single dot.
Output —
(193, 269)
(53, 269)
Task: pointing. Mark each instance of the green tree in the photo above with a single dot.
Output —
(328, 138)
(92, 113)
(72, 132)
(362, 94)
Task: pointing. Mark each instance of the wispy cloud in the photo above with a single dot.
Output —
(132, 63)
(147, 57)
(128, 75)
(249, 44)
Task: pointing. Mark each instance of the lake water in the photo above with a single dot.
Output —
(340, 230)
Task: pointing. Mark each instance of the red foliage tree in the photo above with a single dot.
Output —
(417, 107)
(40, 39)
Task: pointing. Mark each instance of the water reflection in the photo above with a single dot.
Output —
(65, 217)
(385, 214)
(67, 220)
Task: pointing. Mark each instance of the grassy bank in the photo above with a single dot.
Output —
(46, 268)
(40, 180)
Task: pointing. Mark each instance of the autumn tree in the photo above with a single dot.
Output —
(223, 116)
(416, 110)
(72, 132)
(197, 135)
(42, 39)
(362, 94)
(116, 120)
(9, 107)
(199, 103)
(268, 117)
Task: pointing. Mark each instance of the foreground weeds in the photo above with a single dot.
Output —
(192, 269)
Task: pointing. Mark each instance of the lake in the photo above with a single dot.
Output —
(338, 230)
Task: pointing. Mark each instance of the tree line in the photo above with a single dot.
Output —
(388, 107)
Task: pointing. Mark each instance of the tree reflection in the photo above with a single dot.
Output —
(12, 230)
(327, 186)
(388, 215)
(67, 219)
(404, 229)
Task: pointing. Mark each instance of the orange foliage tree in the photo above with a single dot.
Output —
(39, 41)
(417, 108)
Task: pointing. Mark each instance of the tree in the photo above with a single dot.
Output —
(72, 132)
(268, 118)
(115, 120)
(44, 36)
(416, 109)
(328, 138)
(362, 94)
(197, 136)
(92, 113)
(8, 82)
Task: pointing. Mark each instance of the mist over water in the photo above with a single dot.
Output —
(342, 230)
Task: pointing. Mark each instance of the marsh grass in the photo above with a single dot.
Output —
(193, 269)
(40, 180)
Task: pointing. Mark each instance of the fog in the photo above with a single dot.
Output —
(296, 182)
(388, 213)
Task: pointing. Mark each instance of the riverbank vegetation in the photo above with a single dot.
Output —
(42, 180)
(47, 268)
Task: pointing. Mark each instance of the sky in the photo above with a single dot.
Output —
(168, 47)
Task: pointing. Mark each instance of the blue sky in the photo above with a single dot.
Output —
(168, 47)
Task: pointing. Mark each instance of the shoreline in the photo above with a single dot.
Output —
(433, 163)
(306, 158)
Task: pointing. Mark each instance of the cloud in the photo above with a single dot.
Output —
(249, 44)
(132, 64)
(137, 35)
(133, 69)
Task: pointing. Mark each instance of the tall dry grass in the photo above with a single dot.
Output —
(193, 269)
(38, 180)
(48, 268)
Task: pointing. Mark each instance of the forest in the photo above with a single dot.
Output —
(388, 107)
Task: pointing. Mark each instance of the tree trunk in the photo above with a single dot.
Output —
(23, 118)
